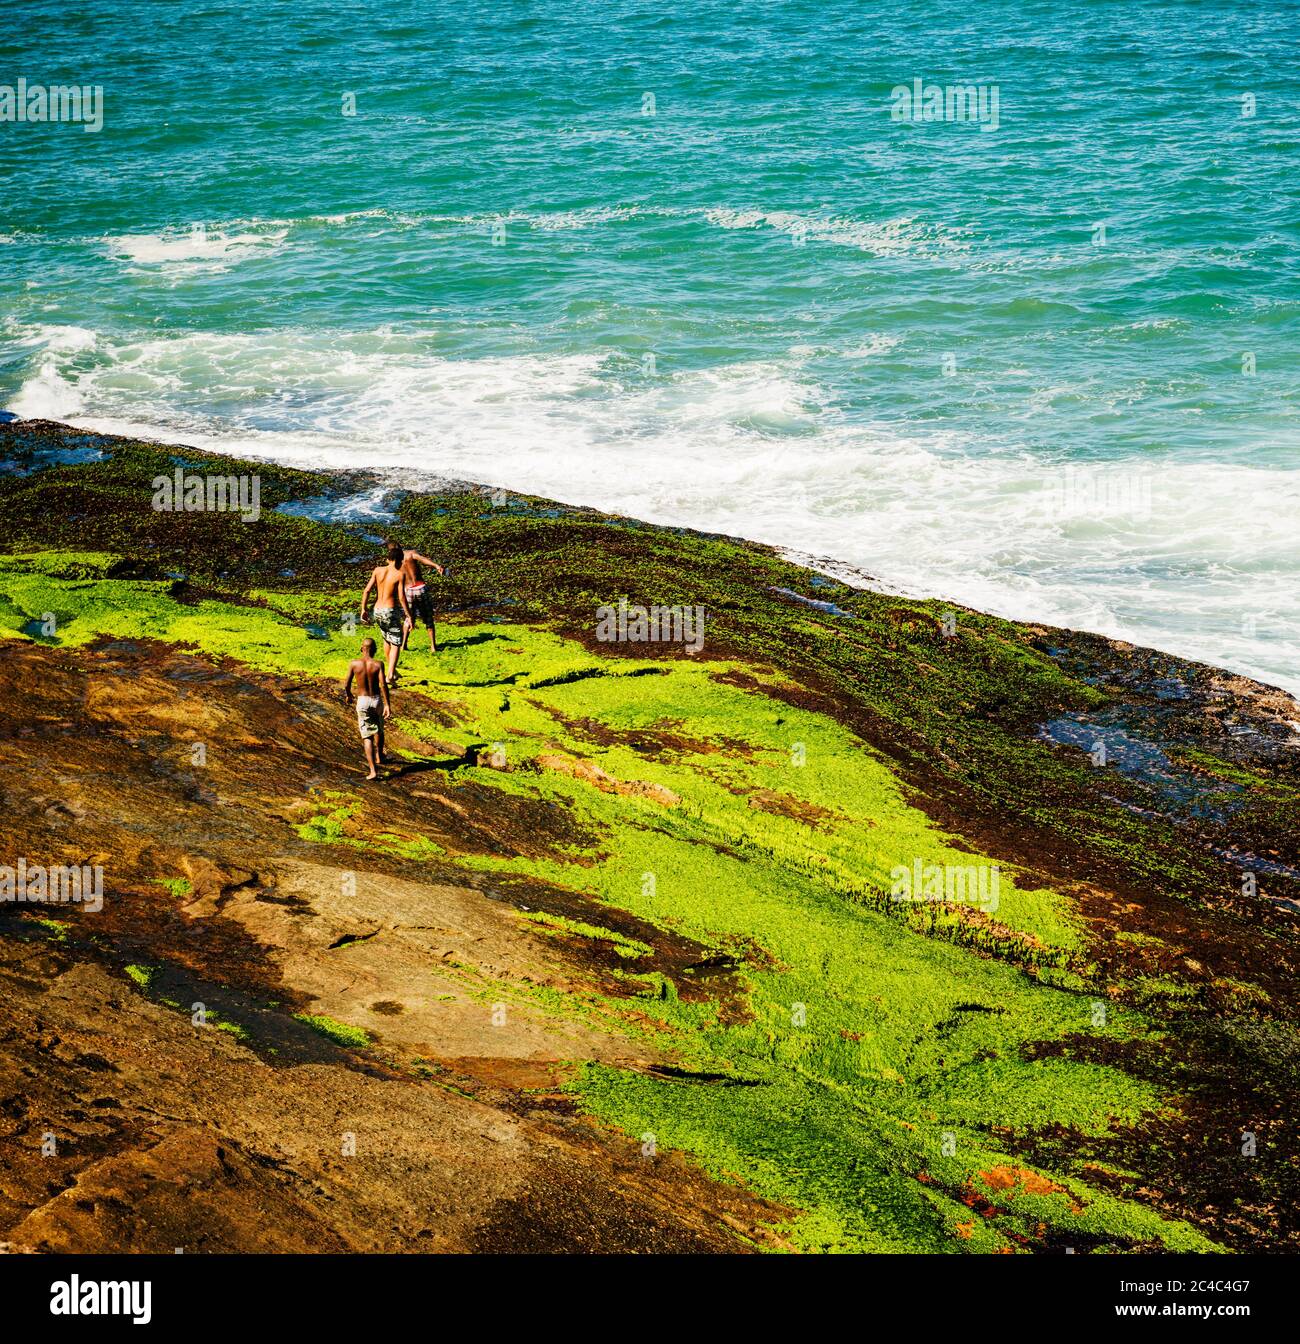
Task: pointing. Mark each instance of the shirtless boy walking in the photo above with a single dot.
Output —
(392, 614)
(418, 597)
(372, 704)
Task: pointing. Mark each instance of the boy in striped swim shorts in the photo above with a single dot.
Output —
(418, 597)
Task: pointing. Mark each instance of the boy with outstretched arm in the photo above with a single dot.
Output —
(418, 597)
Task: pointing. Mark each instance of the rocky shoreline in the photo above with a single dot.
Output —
(617, 958)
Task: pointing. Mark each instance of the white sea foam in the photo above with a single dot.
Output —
(50, 391)
(194, 248)
(877, 343)
(53, 337)
(584, 218)
(230, 239)
(881, 238)
(184, 250)
(1202, 564)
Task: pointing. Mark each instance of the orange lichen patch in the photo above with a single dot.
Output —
(1030, 1182)
(965, 1230)
(985, 1208)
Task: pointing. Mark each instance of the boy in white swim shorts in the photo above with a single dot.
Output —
(372, 704)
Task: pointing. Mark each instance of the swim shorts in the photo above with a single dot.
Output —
(389, 620)
(420, 601)
(370, 717)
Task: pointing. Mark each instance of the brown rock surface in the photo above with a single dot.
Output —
(125, 1126)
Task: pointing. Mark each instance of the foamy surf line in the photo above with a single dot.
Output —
(221, 244)
(1064, 607)
(1193, 557)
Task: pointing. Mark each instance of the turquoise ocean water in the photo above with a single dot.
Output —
(684, 262)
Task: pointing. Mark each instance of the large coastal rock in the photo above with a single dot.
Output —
(859, 923)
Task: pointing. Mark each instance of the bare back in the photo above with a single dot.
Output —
(388, 581)
(367, 674)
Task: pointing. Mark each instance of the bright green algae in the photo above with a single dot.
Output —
(883, 1063)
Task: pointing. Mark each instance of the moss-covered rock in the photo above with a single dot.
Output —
(934, 931)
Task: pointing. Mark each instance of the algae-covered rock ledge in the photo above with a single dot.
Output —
(860, 923)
